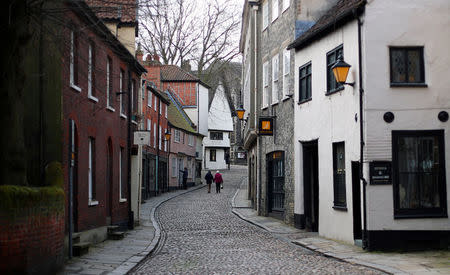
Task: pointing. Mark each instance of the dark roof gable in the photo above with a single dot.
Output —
(341, 13)
(175, 73)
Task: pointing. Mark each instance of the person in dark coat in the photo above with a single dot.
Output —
(227, 160)
(209, 179)
(218, 180)
(185, 176)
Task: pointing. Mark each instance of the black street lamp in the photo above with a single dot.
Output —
(340, 70)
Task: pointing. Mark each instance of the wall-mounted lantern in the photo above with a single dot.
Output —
(167, 135)
(240, 112)
(340, 70)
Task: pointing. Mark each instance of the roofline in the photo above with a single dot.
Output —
(159, 94)
(341, 20)
(82, 9)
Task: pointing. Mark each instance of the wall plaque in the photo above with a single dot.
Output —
(380, 172)
(265, 126)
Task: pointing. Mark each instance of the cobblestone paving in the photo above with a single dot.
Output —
(200, 235)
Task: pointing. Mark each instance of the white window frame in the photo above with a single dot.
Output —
(108, 88)
(149, 98)
(275, 9)
(133, 118)
(160, 138)
(265, 97)
(121, 199)
(72, 62)
(286, 72)
(165, 141)
(190, 140)
(177, 136)
(265, 14)
(286, 4)
(90, 73)
(154, 135)
(91, 160)
(160, 107)
(154, 107)
(165, 115)
(275, 75)
(122, 114)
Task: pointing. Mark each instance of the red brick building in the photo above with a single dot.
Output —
(100, 83)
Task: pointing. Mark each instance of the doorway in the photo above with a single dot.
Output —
(109, 179)
(356, 195)
(311, 184)
(275, 184)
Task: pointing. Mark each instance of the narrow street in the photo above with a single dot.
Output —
(200, 235)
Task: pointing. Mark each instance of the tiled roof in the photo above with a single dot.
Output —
(121, 10)
(338, 15)
(175, 73)
(177, 117)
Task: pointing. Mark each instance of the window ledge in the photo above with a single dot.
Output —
(340, 208)
(286, 97)
(111, 109)
(92, 203)
(418, 85)
(420, 216)
(122, 200)
(75, 87)
(134, 122)
(275, 103)
(264, 107)
(304, 101)
(123, 116)
(93, 98)
(334, 91)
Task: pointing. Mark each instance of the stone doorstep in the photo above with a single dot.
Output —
(80, 248)
(116, 235)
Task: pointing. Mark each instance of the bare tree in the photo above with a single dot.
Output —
(180, 30)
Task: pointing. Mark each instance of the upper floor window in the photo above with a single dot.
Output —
(149, 98)
(177, 136)
(74, 60)
(154, 106)
(121, 93)
(332, 57)
(216, 135)
(166, 111)
(418, 162)
(134, 99)
(275, 68)
(286, 71)
(265, 97)
(160, 107)
(304, 74)
(91, 71)
(109, 84)
(286, 4)
(265, 14)
(190, 140)
(340, 199)
(274, 10)
(154, 135)
(407, 66)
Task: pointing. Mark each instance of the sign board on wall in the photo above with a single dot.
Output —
(265, 126)
(380, 172)
(141, 138)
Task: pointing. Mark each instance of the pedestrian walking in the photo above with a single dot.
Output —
(185, 176)
(218, 180)
(227, 160)
(209, 179)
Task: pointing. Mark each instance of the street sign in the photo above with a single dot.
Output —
(141, 138)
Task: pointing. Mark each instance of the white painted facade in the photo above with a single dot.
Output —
(328, 119)
(335, 117)
(219, 121)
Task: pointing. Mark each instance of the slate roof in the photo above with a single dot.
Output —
(118, 10)
(175, 73)
(338, 15)
(177, 117)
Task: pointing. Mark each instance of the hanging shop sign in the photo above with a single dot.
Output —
(380, 172)
(266, 126)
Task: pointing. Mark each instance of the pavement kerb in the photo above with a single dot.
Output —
(383, 268)
(128, 265)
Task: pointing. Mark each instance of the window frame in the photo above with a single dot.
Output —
(338, 193)
(91, 71)
(265, 15)
(265, 97)
(300, 78)
(149, 98)
(438, 212)
(405, 49)
(121, 174)
(286, 4)
(91, 173)
(286, 72)
(176, 136)
(74, 60)
(216, 135)
(121, 93)
(109, 85)
(338, 87)
(275, 10)
(275, 77)
(154, 135)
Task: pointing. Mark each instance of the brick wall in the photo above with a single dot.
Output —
(32, 238)
(94, 119)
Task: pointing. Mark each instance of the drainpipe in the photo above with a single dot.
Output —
(157, 149)
(361, 133)
(130, 212)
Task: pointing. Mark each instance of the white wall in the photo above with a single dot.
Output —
(220, 159)
(414, 108)
(203, 109)
(328, 118)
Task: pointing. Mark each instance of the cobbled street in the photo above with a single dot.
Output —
(201, 235)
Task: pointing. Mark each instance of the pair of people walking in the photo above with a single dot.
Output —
(217, 179)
